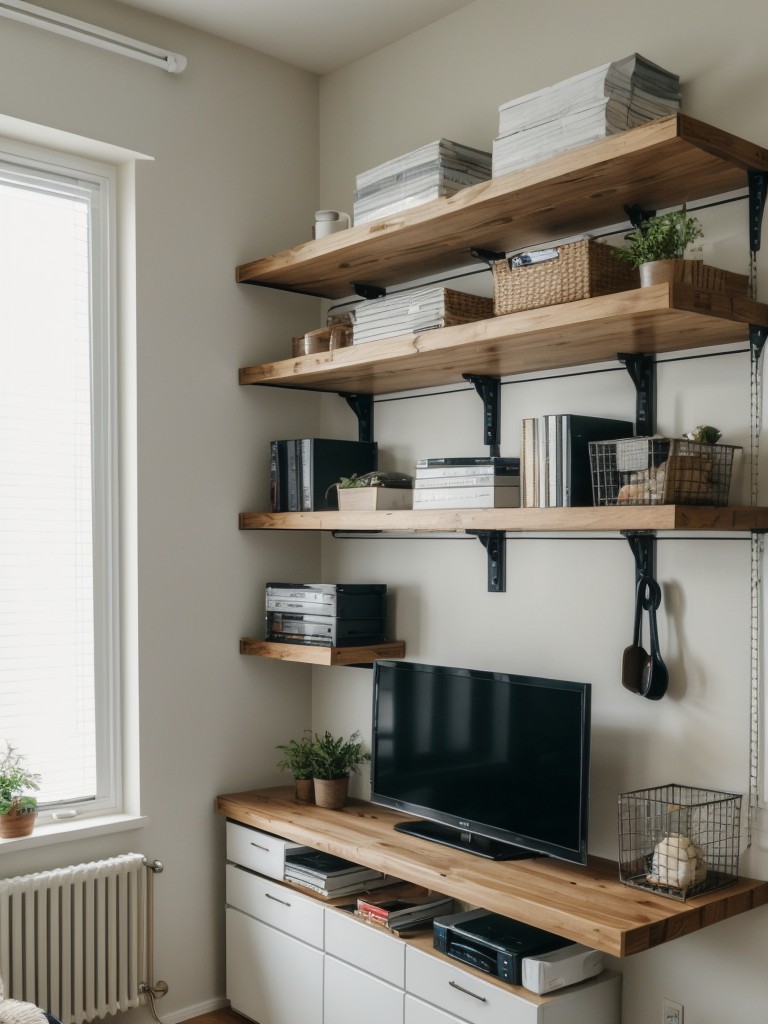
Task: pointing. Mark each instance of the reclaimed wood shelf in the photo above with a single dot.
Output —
(660, 164)
(585, 904)
(312, 654)
(652, 320)
(705, 518)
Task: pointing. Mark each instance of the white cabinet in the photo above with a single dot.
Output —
(352, 996)
(271, 977)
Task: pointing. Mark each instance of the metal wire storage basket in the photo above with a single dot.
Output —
(660, 471)
(679, 841)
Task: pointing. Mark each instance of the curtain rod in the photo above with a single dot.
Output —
(41, 17)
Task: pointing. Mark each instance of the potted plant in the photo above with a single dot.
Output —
(18, 810)
(333, 760)
(298, 759)
(373, 491)
(660, 240)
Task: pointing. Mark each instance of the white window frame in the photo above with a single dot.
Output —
(102, 179)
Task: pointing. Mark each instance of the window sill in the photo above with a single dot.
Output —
(64, 831)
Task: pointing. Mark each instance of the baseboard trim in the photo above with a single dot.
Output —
(190, 1012)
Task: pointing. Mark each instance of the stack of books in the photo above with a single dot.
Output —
(328, 875)
(326, 614)
(472, 482)
(608, 99)
(556, 470)
(304, 470)
(401, 914)
(416, 310)
(437, 169)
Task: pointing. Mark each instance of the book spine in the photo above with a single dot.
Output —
(274, 478)
(293, 477)
(306, 474)
(530, 462)
(478, 480)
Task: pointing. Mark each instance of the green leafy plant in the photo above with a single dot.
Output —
(376, 479)
(334, 758)
(704, 435)
(665, 237)
(298, 756)
(15, 782)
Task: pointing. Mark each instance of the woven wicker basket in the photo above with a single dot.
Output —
(579, 271)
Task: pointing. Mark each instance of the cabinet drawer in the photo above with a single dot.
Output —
(462, 994)
(276, 905)
(351, 996)
(257, 850)
(365, 946)
(419, 1012)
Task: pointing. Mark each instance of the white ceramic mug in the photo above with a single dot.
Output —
(328, 221)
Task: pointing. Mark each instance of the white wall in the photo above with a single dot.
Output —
(233, 177)
(568, 607)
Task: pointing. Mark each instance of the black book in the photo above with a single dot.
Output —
(572, 470)
(303, 470)
(326, 864)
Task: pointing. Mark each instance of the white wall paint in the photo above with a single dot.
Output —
(568, 607)
(233, 177)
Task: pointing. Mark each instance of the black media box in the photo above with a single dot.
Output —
(492, 943)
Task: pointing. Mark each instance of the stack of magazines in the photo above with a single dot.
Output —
(401, 914)
(608, 99)
(438, 169)
(328, 875)
(471, 482)
(415, 310)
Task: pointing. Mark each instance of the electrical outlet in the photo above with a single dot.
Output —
(672, 1013)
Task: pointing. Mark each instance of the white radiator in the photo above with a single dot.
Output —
(72, 940)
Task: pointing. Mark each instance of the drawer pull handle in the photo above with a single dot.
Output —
(264, 848)
(276, 900)
(466, 992)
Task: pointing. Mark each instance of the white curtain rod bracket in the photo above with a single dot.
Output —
(51, 21)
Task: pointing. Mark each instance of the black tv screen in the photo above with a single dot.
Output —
(498, 764)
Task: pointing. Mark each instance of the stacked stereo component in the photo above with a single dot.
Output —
(327, 614)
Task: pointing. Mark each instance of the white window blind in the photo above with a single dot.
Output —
(58, 571)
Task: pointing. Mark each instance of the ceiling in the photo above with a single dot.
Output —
(317, 35)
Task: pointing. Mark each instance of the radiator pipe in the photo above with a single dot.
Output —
(148, 987)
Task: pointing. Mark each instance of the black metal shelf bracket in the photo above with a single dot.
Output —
(643, 545)
(757, 337)
(489, 256)
(642, 370)
(489, 389)
(368, 291)
(362, 407)
(758, 187)
(495, 544)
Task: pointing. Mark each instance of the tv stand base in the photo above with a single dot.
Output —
(492, 849)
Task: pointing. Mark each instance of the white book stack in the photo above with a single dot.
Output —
(437, 169)
(590, 106)
(415, 310)
(473, 482)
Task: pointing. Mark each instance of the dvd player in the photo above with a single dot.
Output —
(491, 943)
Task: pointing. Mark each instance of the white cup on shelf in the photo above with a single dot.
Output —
(329, 221)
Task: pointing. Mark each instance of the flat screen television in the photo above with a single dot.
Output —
(498, 764)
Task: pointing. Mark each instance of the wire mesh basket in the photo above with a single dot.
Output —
(679, 841)
(660, 471)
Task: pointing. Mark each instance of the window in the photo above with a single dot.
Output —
(59, 580)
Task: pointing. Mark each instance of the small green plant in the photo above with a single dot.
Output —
(665, 237)
(335, 758)
(704, 435)
(376, 479)
(15, 782)
(298, 756)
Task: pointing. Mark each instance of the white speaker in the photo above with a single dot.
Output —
(560, 968)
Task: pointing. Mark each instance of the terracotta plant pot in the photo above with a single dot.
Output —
(305, 791)
(17, 823)
(332, 793)
(696, 273)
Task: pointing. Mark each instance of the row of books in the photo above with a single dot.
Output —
(304, 470)
(556, 470)
(413, 311)
(437, 169)
(472, 482)
(326, 614)
(328, 875)
(607, 99)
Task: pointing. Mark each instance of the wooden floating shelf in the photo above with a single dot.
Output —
(731, 518)
(585, 904)
(653, 320)
(315, 655)
(660, 164)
